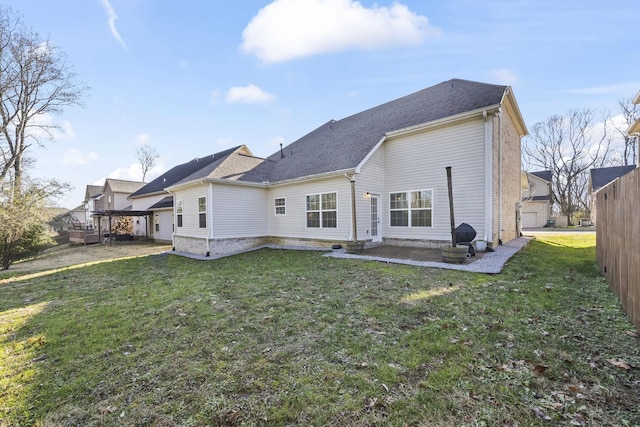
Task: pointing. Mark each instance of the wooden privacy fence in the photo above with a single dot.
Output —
(618, 240)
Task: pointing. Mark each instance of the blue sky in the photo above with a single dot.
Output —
(194, 77)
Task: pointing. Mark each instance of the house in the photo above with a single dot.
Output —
(158, 202)
(599, 178)
(537, 199)
(112, 202)
(376, 176)
(92, 202)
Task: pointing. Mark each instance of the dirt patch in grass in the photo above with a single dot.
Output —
(414, 254)
(67, 255)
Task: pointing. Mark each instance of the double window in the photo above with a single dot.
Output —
(280, 206)
(202, 212)
(322, 210)
(411, 208)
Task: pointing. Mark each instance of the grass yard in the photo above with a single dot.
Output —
(293, 338)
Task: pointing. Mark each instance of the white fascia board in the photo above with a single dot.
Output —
(315, 177)
(369, 154)
(634, 129)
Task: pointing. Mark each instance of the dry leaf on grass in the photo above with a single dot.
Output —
(540, 413)
(633, 334)
(539, 370)
(619, 363)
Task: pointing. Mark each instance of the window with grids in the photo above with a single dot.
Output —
(411, 208)
(281, 206)
(202, 212)
(157, 222)
(322, 210)
(179, 212)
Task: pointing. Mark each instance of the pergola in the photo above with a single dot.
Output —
(111, 213)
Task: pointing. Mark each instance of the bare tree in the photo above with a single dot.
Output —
(35, 83)
(630, 112)
(568, 147)
(147, 157)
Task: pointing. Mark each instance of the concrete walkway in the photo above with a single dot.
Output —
(491, 262)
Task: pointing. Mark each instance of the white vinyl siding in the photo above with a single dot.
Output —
(165, 222)
(371, 180)
(294, 224)
(418, 162)
(239, 211)
(190, 218)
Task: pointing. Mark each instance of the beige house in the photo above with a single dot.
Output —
(376, 176)
(537, 199)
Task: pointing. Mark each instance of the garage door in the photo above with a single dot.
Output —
(529, 219)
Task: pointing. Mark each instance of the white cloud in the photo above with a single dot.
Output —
(133, 172)
(504, 76)
(288, 29)
(142, 139)
(250, 94)
(111, 14)
(75, 157)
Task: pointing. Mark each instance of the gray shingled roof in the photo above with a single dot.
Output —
(91, 191)
(603, 176)
(343, 144)
(546, 175)
(185, 170)
(167, 202)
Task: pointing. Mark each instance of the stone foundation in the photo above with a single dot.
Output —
(415, 243)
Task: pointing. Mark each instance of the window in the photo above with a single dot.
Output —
(157, 222)
(411, 208)
(322, 210)
(281, 206)
(179, 212)
(202, 212)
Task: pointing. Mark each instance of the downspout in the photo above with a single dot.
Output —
(488, 177)
(499, 115)
(354, 225)
(175, 225)
(209, 201)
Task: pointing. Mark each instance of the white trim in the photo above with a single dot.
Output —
(369, 154)
(442, 121)
(306, 211)
(378, 197)
(275, 207)
(409, 225)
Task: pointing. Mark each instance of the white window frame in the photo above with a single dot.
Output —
(202, 212)
(409, 209)
(321, 210)
(179, 211)
(283, 206)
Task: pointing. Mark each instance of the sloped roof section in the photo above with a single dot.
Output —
(546, 175)
(122, 186)
(343, 144)
(167, 202)
(185, 170)
(603, 176)
(92, 191)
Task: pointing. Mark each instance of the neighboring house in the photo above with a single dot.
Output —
(537, 199)
(153, 197)
(92, 203)
(377, 176)
(599, 178)
(114, 201)
(634, 129)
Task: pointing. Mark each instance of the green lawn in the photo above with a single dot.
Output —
(294, 338)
